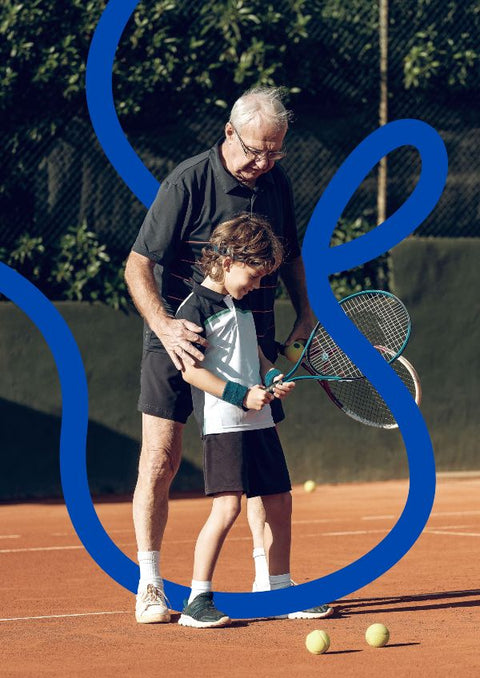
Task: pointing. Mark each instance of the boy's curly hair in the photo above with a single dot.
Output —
(247, 238)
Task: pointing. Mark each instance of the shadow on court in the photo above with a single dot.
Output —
(424, 601)
(30, 445)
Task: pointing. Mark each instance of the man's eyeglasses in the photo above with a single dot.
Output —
(257, 154)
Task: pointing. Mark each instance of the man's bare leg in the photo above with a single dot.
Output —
(159, 462)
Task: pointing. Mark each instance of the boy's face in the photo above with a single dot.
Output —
(240, 279)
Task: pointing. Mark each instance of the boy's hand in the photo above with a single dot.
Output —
(257, 397)
(282, 388)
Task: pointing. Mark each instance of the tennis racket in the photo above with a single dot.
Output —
(362, 402)
(380, 316)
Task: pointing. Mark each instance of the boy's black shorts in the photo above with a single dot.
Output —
(251, 462)
(164, 393)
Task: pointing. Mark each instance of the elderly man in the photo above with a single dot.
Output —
(238, 174)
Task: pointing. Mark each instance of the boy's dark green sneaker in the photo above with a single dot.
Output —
(201, 613)
(318, 612)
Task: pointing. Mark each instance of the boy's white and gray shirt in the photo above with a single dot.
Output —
(232, 355)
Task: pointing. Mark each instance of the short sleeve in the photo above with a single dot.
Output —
(161, 232)
(290, 242)
(191, 311)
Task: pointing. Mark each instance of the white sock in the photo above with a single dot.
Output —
(199, 587)
(262, 581)
(280, 581)
(149, 562)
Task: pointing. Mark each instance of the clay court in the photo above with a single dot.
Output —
(61, 615)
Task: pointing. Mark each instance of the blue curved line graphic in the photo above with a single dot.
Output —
(107, 555)
(347, 179)
(73, 436)
(320, 260)
(100, 103)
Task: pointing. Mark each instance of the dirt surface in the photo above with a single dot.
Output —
(61, 615)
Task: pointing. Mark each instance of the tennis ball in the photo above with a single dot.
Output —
(317, 642)
(310, 486)
(294, 351)
(377, 635)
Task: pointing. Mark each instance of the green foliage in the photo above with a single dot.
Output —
(77, 269)
(78, 263)
(28, 255)
(191, 52)
(372, 275)
(441, 50)
(184, 51)
(43, 49)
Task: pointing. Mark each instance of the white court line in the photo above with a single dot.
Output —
(10, 536)
(42, 548)
(445, 530)
(434, 514)
(456, 534)
(456, 513)
(62, 616)
(314, 521)
(57, 548)
(350, 532)
(71, 534)
(449, 527)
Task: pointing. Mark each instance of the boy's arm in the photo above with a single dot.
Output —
(204, 380)
(265, 364)
(267, 368)
(253, 398)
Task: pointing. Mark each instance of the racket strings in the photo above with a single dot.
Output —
(381, 318)
(361, 401)
(326, 357)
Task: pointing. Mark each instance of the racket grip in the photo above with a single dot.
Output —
(271, 388)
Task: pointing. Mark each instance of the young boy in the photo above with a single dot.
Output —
(242, 451)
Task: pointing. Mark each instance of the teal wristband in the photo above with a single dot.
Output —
(272, 374)
(234, 394)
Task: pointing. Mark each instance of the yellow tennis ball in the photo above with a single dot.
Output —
(310, 486)
(317, 642)
(294, 351)
(377, 635)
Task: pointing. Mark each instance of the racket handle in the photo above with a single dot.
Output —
(271, 388)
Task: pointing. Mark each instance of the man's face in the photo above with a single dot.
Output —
(258, 136)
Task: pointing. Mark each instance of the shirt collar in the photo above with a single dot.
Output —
(227, 180)
(203, 291)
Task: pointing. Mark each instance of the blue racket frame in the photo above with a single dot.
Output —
(328, 377)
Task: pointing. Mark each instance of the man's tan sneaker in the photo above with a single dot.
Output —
(151, 606)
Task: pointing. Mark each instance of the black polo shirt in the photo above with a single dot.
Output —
(195, 197)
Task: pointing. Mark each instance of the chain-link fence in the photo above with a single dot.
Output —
(60, 180)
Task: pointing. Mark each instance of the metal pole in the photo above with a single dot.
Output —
(383, 107)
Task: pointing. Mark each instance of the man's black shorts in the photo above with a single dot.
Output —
(164, 393)
(251, 462)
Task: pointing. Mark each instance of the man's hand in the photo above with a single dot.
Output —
(301, 330)
(178, 337)
(257, 397)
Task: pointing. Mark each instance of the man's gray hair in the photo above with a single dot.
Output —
(261, 103)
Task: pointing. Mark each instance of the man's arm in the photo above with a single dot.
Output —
(176, 335)
(293, 275)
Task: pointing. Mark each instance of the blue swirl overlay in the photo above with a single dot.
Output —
(320, 261)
